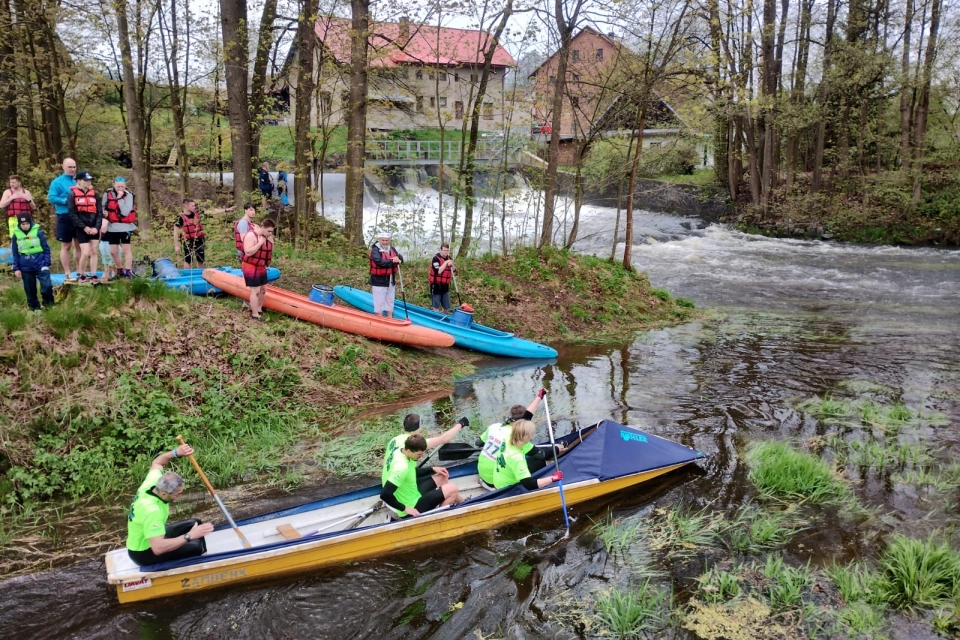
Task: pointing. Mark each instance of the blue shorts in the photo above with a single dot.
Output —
(66, 232)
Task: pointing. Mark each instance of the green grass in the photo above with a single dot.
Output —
(787, 583)
(753, 530)
(718, 586)
(13, 319)
(682, 533)
(357, 452)
(783, 472)
(700, 177)
(632, 612)
(918, 574)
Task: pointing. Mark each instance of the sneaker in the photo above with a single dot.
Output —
(94, 279)
(81, 280)
(70, 278)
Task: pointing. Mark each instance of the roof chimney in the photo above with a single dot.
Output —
(404, 31)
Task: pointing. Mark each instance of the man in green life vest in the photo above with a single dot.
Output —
(411, 425)
(409, 490)
(31, 261)
(150, 540)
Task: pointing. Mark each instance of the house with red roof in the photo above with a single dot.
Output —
(418, 75)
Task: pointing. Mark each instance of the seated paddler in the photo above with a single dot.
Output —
(410, 490)
(511, 467)
(494, 439)
(150, 540)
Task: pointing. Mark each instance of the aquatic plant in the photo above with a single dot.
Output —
(682, 533)
(918, 573)
(781, 471)
(855, 582)
(787, 584)
(630, 613)
(860, 620)
(752, 530)
(616, 534)
(717, 585)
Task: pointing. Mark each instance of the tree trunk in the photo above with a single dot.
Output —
(176, 104)
(135, 128)
(799, 84)
(258, 99)
(303, 200)
(233, 24)
(8, 96)
(631, 188)
(823, 96)
(906, 90)
(356, 120)
(470, 164)
(923, 104)
(577, 200)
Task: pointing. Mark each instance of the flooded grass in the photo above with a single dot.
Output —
(779, 471)
(680, 533)
(631, 613)
(754, 530)
(918, 574)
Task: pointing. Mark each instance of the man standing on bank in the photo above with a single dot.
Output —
(16, 200)
(257, 256)
(66, 233)
(86, 214)
(150, 540)
(119, 223)
(441, 273)
(189, 228)
(384, 264)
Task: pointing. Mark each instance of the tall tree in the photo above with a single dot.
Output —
(258, 98)
(135, 117)
(356, 120)
(233, 24)
(177, 92)
(303, 199)
(8, 95)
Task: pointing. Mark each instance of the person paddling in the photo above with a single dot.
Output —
(150, 540)
(498, 434)
(412, 425)
(410, 490)
(511, 464)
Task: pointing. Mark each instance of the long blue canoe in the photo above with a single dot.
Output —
(476, 336)
(190, 280)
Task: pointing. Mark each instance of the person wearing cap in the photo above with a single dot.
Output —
(119, 222)
(31, 261)
(441, 273)
(16, 200)
(66, 232)
(384, 265)
(86, 212)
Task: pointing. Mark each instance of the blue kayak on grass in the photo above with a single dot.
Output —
(190, 280)
(474, 336)
(6, 255)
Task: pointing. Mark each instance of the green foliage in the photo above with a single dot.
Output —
(787, 584)
(753, 529)
(918, 574)
(13, 319)
(718, 586)
(680, 532)
(631, 613)
(522, 571)
(780, 471)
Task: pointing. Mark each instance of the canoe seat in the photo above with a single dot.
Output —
(288, 532)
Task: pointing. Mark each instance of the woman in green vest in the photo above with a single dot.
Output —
(31, 261)
(511, 465)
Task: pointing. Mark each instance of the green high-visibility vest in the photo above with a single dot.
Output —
(28, 243)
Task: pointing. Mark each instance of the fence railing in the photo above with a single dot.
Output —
(430, 150)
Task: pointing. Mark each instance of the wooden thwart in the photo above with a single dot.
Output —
(288, 532)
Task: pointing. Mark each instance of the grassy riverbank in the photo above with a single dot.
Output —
(96, 387)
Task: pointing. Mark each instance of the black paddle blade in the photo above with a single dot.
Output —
(457, 451)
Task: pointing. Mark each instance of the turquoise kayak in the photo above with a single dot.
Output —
(6, 256)
(470, 336)
(190, 280)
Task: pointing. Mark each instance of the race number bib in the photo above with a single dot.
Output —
(492, 446)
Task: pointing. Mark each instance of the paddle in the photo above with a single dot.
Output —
(402, 294)
(223, 508)
(556, 462)
(457, 451)
(453, 274)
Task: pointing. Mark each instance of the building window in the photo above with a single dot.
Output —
(574, 101)
(430, 75)
(473, 78)
(488, 111)
(576, 78)
(599, 54)
(433, 102)
(345, 100)
(419, 104)
(553, 79)
(419, 74)
(654, 145)
(456, 77)
(443, 101)
(443, 76)
(458, 110)
(576, 55)
(326, 104)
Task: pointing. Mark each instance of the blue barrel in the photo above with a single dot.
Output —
(461, 318)
(164, 268)
(322, 294)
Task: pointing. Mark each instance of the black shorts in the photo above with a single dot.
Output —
(83, 237)
(266, 192)
(196, 247)
(66, 232)
(430, 495)
(118, 237)
(254, 276)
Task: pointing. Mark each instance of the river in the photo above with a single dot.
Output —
(789, 320)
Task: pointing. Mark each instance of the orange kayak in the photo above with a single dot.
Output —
(333, 316)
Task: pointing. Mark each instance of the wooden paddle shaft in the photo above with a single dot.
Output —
(216, 498)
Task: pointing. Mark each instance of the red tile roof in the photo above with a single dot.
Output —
(387, 49)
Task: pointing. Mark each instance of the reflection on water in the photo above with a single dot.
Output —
(795, 320)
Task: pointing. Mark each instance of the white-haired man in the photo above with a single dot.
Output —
(150, 540)
(384, 266)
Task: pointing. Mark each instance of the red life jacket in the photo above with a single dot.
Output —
(444, 277)
(86, 202)
(192, 228)
(237, 236)
(113, 209)
(377, 270)
(261, 259)
(17, 206)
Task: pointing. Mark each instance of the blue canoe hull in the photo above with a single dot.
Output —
(6, 256)
(476, 336)
(190, 280)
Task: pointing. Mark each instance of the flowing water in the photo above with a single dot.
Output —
(790, 321)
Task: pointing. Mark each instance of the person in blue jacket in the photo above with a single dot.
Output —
(66, 233)
(31, 261)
